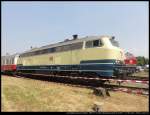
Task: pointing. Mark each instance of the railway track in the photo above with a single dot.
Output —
(136, 78)
(91, 82)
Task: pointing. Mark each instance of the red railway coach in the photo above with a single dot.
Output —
(130, 59)
(8, 63)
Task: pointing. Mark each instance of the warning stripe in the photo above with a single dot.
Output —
(131, 91)
(133, 81)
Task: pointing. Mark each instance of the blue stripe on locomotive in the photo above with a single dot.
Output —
(101, 67)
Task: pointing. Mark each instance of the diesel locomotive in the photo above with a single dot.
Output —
(100, 55)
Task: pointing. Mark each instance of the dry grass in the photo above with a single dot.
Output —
(19, 94)
(142, 74)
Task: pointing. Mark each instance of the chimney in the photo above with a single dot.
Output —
(113, 37)
(75, 37)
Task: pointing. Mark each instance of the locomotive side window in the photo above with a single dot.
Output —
(89, 44)
(100, 43)
(76, 46)
(66, 47)
(37, 52)
(55, 49)
(44, 51)
(95, 43)
(12, 60)
(69, 47)
(59, 48)
(49, 50)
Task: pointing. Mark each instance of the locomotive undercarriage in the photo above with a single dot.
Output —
(119, 72)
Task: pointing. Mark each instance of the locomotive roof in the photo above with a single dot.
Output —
(67, 42)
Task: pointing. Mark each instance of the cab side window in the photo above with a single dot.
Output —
(89, 44)
(94, 43)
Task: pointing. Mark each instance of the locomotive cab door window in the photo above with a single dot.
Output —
(95, 43)
(89, 44)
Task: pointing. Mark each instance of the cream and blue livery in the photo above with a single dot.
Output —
(96, 54)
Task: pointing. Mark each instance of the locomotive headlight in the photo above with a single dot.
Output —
(130, 61)
(118, 62)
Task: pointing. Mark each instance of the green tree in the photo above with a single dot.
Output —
(141, 60)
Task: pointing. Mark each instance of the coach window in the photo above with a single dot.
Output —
(12, 61)
(7, 61)
(3, 62)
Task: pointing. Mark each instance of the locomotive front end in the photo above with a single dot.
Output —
(121, 67)
(118, 57)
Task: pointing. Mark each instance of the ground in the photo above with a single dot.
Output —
(142, 74)
(22, 94)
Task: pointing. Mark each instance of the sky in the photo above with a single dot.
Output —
(26, 24)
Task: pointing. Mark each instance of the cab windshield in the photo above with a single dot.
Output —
(114, 42)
